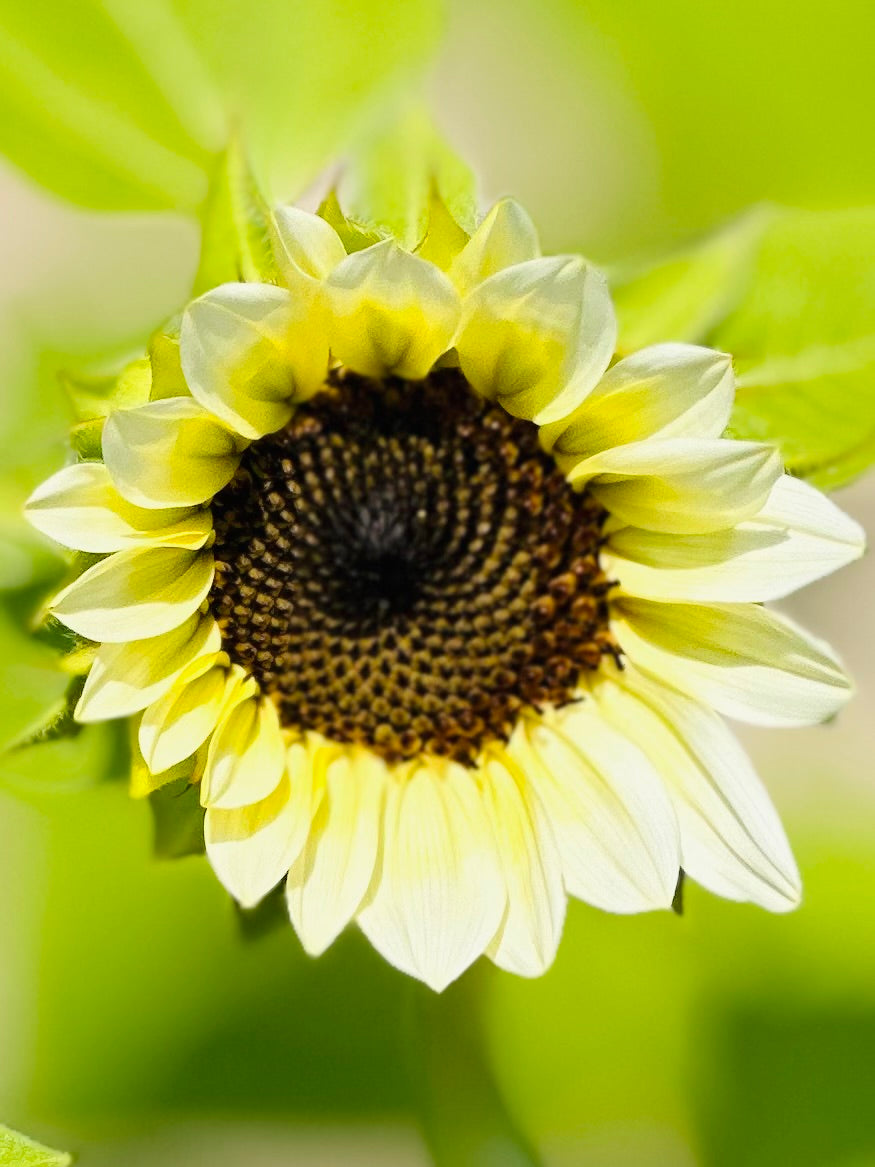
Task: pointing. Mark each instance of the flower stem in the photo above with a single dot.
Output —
(463, 1116)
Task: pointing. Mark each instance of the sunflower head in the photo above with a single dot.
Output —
(439, 603)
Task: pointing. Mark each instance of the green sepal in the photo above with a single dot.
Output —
(388, 184)
(17, 1150)
(56, 722)
(236, 227)
(166, 365)
(177, 820)
(96, 395)
(354, 236)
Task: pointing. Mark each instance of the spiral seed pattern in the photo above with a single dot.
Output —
(402, 567)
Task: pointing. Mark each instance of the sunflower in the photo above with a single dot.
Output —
(441, 605)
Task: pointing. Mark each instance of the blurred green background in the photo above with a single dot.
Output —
(135, 1026)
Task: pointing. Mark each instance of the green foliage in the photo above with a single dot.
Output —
(803, 338)
(56, 722)
(236, 240)
(791, 294)
(393, 173)
(124, 105)
(18, 1151)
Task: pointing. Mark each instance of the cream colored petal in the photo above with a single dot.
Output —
(80, 508)
(305, 245)
(440, 897)
(743, 660)
(798, 537)
(252, 848)
(249, 351)
(391, 312)
(666, 391)
(612, 820)
(681, 485)
(144, 591)
(529, 935)
(506, 236)
(246, 756)
(537, 337)
(328, 880)
(125, 678)
(732, 841)
(169, 453)
(180, 721)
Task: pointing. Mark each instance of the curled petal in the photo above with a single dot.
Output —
(306, 244)
(252, 848)
(506, 236)
(80, 508)
(681, 485)
(666, 391)
(798, 537)
(537, 337)
(246, 756)
(125, 678)
(391, 312)
(180, 721)
(169, 453)
(131, 593)
(249, 351)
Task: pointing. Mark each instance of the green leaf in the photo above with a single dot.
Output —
(107, 105)
(803, 339)
(236, 221)
(684, 296)
(393, 173)
(178, 820)
(19, 1151)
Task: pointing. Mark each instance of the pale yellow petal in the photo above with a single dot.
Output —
(180, 721)
(80, 508)
(136, 593)
(506, 236)
(125, 678)
(328, 880)
(529, 935)
(681, 485)
(732, 841)
(798, 537)
(246, 756)
(305, 244)
(391, 312)
(249, 351)
(439, 897)
(667, 391)
(252, 848)
(745, 661)
(169, 453)
(538, 336)
(609, 812)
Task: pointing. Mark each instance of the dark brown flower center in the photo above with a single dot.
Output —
(404, 568)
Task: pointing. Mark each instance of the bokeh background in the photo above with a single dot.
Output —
(137, 1025)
